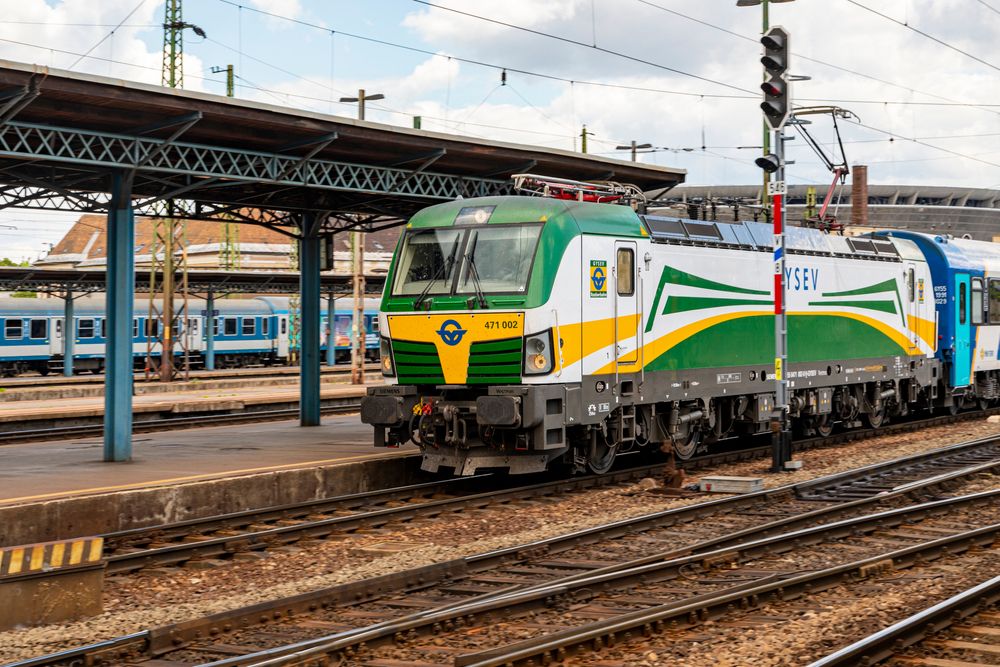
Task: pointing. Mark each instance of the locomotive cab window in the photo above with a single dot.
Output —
(911, 285)
(491, 259)
(13, 329)
(625, 271)
(978, 304)
(85, 328)
(994, 301)
(39, 329)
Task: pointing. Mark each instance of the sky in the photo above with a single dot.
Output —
(682, 75)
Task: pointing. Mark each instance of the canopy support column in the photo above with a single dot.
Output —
(309, 288)
(69, 334)
(120, 295)
(210, 321)
(331, 341)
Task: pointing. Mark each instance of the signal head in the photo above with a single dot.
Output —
(768, 163)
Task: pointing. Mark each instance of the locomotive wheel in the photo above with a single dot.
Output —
(601, 456)
(685, 450)
(824, 428)
(873, 419)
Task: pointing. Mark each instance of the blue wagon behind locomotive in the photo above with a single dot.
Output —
(245, 332)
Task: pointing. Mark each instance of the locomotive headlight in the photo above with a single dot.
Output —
(385, 352)
(538, 353)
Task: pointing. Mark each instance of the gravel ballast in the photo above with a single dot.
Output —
(149, 599)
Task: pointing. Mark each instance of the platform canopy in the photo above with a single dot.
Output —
(75, 281)
(194, 155)
(75, 142)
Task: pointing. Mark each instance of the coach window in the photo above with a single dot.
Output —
(994, 301)
(962, 305)
(135, 327)
(85, 328)
(100, 328)
(284, 326)
(152, 328)
(249, 326)
(215, 326)
(13, 329)
(39, 329)
(626, 272)
(229, 326)
(978, 305)
(264, 322)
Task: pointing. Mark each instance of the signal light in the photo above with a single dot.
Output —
(777, 103)
(768, 163)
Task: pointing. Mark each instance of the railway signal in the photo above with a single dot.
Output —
(777, 99)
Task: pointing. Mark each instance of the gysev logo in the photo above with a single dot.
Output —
(451, 332)
(598, 278)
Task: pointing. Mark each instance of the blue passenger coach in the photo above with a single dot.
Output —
(245, 332)
(966, 292)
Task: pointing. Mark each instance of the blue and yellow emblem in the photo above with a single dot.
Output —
(598, 278)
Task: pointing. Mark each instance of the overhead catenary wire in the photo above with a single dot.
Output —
(112, 32)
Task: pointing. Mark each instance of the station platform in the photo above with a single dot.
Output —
(59, 490)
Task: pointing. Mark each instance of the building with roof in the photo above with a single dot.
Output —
(260, 249)
(974, 212)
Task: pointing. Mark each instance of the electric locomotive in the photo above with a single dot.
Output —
(523, 332)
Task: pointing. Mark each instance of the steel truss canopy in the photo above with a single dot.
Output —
(184, 154)
(60, 281)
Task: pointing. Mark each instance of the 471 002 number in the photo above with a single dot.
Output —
(501, 324)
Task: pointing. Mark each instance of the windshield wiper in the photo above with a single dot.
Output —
(442, 270)
(469, 257)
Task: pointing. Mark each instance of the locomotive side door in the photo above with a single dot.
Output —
(626, 330)
(910, 305)
(962, 359)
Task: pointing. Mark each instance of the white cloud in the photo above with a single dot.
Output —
(288, 8)
(38, 32)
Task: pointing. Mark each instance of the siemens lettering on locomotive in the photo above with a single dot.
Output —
(522, 332)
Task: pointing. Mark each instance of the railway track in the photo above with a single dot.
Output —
(24, 381)
(465, 597)
(173, 423)
(962, 631)
(223, 536)
(257, 530)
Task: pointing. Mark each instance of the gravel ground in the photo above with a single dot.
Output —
(177, 594)
(815, 627)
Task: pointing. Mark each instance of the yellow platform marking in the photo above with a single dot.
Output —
(16, 560)
(192, 478)
(58, 554)
(37, 557)
(76, 553)
(50, 555)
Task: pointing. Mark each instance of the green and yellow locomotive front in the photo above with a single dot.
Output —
(481, 331)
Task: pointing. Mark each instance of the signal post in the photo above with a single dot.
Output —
(777, 109)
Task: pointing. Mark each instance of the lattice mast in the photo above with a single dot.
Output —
(167, 328)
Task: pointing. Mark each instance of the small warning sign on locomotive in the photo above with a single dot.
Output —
(598, 278)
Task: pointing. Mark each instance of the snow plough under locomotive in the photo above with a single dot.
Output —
(523, 332)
